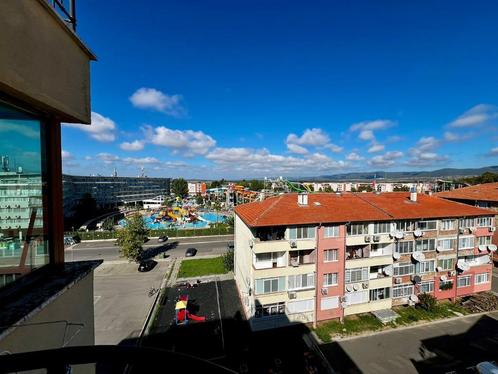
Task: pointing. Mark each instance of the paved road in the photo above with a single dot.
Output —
(432, 348)
(122, 301)
(108, 251)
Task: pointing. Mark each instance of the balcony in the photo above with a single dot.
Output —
(304, 257)
(262, 246)
(357, 251)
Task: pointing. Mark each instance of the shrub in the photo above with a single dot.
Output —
(228, 260)
(427, 302)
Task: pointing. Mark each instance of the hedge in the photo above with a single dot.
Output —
(172, 233)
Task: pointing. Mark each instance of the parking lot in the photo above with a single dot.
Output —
(122, 300)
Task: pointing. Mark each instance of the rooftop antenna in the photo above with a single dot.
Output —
(115, 173)
(142, 172)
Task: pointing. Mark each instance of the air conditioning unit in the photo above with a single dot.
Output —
(325, 291)
(472, 229)
(293, 244)
(397, 280)
(367, 239)
(376, 238)
(492, 229)
(452, 273)
(364, 285)
(292, 295)
(462, 230)
(343, 299)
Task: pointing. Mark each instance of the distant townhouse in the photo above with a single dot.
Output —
(196, 188)
(308, 258)
(382, 186)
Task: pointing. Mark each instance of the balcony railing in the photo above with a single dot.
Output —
(67, 10)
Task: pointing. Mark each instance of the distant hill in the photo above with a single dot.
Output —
(449, 173)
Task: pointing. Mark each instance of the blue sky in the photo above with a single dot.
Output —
(209, 89)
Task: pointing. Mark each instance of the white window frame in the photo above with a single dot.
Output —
(385, 291)
(447, 225)
(301, 232)
(446, 240)
(429, 285)
(481, 278)
(335, 255)
(467, 222)
(425, 242)
(280, 285)
(364, 275)
(427, 222)
(466, 279)
(403, 265)
(402, 290)
(425, 267)
(378, 228)
(444, 261)
(330, 279)
(357, 229)
(484, 240)
(404, 244)
(331, 231)
(295, 282)
(484, 222)
(464, 239)
(405, 226)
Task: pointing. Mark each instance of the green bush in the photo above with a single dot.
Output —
(228, 260)
(427, 302)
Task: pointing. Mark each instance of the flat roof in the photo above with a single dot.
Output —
(284, 210)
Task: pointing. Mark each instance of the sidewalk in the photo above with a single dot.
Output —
(157, 237)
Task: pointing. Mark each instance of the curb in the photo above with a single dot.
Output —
(156, 237)
(208, 278)
(402, 328)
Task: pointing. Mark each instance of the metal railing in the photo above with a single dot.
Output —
(67, 10)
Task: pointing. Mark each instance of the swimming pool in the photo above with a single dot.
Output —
(209, 217)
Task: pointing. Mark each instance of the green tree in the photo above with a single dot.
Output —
(365, 187)
(131, 238)
(108, 224)
(256, 185)
(228, 260)
(353, 189)
(427, 302)
(328, 189)
(399, 188)
(230, 220)
(179, 187)
(199, 200)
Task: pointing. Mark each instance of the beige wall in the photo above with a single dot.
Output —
(243, 264)
(75, 305)
(42, 62)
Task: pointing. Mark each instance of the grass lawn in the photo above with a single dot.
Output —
(367, 322)
(201, 266)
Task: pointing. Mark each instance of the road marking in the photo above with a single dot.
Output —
(145, 246)
(219, 314)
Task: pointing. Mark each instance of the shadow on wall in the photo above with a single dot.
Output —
(448, 353)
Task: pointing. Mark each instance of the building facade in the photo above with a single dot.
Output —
(310, 258)
(112, 191)
(196, 188)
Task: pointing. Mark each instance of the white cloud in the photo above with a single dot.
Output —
(394, 139)
(353, 156)
(102, 129)
(493, 152)
(136, 145)
(150, 98)
(141, 161)
(427, 143)
(366, 135)
(107, 158)
(385, 160)
(66, 155)
(454, 137)
(380, 124)
(424, 153)
(314, 137)
(376, 148)
(186, 142)
(88, 158)
(476, 116)
(261, 162)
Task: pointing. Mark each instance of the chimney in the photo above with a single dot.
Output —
(302, 199)
(413, 194)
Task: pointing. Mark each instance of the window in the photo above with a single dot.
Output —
(466, 242)
(424, 267)
(330, 255)
(379, 293)
(357, 297)
(484, 240)
(403, 290)
(426, 287)
(331, 232)
(405, 226)
(22, 210)
(382, 228)
(467, 222)
(484, 221)
(269, 310)
(300, 306)
(427, 225)
(445, 244)
(301, 281)
(269, 260)
(446, 285)
(463, 281)
(329, 303)
(356, 275)
(424, 245)
(481, 278)
(404, 247)
(446, 264)
(403, 269)
(305, 232)
(270, 285)
(330, 279)
(357, 229)
(447, 224)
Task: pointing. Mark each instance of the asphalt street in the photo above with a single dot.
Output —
(174, 248)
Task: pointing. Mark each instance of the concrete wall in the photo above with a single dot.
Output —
(46, 329)
(42, 62)
(243, 270)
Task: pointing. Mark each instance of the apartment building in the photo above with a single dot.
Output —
(307, 258)
(382, 186)
(196, 188)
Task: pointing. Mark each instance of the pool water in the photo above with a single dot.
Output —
(211, 217)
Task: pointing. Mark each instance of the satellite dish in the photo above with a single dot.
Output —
(349, 288)
(414, 298)
(417, 279)
(492, 247)
(482, 248)
(418, 256)
(462, 265)
(399, 235)
(396, 255)
(388, 270)
(443, 278)
(417, 232)
(355, 287)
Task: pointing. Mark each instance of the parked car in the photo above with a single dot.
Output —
(162, 239)
(230, 246)
(190, 252)
(146, 265)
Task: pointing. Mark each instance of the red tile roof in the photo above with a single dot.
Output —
(479, 192)
(350, 207)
